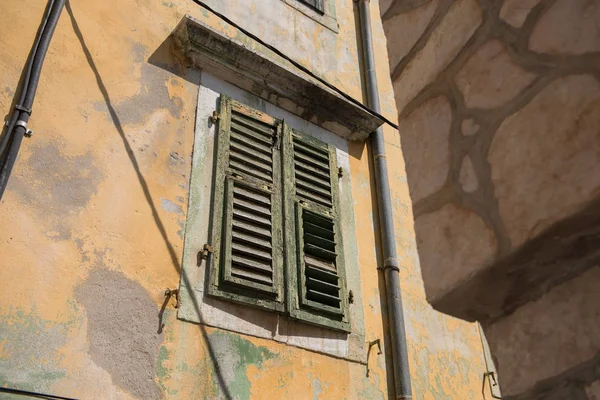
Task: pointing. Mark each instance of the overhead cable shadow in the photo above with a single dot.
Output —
(174, 260)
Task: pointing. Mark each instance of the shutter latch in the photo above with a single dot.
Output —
(205, 250)
(276, 140)
(340, 172)
(215, 117)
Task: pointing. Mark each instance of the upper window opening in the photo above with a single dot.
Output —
(315, 4)
(320, 11)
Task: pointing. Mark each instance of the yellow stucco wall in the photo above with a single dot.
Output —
(92, 222)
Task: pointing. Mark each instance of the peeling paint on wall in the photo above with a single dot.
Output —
(56, 183)
(235, 355)
(121, 329)
(30, 346)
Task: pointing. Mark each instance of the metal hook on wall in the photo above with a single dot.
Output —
(371, 344)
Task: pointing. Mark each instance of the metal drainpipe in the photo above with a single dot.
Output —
(391, 265)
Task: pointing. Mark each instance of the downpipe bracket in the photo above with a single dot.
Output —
(390, 263)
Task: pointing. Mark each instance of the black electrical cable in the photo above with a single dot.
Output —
(34, 394)
(26, 78)
(297, 65)
(40, 54)
(17, 126)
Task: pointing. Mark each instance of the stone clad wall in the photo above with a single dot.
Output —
(499, 115)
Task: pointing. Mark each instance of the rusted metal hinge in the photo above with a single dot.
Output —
(215, 117)
(340, 172)
(205, 250)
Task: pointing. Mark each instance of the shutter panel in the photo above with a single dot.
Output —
(247, 234)
(317, 286)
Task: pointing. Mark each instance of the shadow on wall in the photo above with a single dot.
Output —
(358, 150)
(164, 58)
(163, 50)
(380, 277)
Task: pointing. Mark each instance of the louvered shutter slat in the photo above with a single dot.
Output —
(317, 180)
(243, 272)
(251, 228)
(254, 124)
(251, 218)
(311, 162)
(320, 264)
(319, 242)
(317, 231)
(256, 209)
(245, 133)
(298, 166)
(251, 239)
(321, 297)
(251, 264)
(248, 150)
(252, 145)
(249, 164)
(241, 193)
(312, 153)
(308, 184)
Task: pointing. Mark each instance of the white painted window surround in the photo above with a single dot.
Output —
(196, 306)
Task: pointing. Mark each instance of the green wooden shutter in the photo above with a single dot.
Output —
(247, 263)
(314, 251)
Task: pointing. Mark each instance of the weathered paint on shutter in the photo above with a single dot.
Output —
(316, 275)
(247, 264)
(312, 173)
(248, 240)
